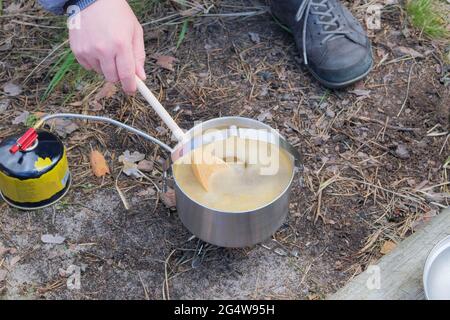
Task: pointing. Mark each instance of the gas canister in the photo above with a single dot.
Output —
(34, 172)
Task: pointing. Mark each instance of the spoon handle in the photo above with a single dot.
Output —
(159, 109)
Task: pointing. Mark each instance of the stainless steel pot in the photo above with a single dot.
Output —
(436, 274)
(227, 229)
(233, 229)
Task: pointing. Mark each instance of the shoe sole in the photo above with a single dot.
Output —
(340, 85)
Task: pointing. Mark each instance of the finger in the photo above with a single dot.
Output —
(95, 64)
(139, 51)
(84, 62)
(126, 68)
(109, 69)
(79, 54)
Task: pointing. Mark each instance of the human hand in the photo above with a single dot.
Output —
(110, 41)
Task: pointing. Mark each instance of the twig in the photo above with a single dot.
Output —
(407, 89)
(319, 202)
(235, 14)
(144, 287)
(400, 59)
(166, 295)
(36, 25)
(443, 145)
(143, 175)
(385, 124)
(121, 195)
(322, 186)
(435, 186)
(384, 189)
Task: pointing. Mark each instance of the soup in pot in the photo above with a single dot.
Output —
(256, 174)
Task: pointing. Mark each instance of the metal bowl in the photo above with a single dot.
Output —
(232, 229)
(436, 275)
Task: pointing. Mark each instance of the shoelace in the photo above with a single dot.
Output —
(330, 27)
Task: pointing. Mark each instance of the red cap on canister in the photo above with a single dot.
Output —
(25, 141)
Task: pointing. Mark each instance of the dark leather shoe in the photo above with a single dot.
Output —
(335, 47)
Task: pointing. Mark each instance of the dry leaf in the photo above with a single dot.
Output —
(145, 166)
(14, 261)
(94, 105)
(98, 164)
(74, 280)
(53, 239)
(387, 247)
(360, 92)
(131, 157)
(4, 105)
(146, 192)
(130, 168)
(165, 62)
(423, 220)
(107, 91)
(254, 37)
(21, 118)
(408, 52)
(76, 104)
(168, 198)
(12, 89)
(264, 115)
(63, 127)
(402, 151)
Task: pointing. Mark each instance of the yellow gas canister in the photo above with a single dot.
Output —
(34, 172)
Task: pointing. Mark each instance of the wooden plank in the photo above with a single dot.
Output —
(398, 275)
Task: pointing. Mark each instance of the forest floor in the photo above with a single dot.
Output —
(374, 156)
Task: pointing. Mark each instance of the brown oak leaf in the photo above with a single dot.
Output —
(98, 164)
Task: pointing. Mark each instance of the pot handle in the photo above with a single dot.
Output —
(293, 151)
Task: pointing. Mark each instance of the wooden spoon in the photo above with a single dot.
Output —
(204, 164)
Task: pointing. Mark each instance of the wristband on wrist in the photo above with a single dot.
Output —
(81, 4)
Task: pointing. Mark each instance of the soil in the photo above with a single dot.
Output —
(373, 159)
